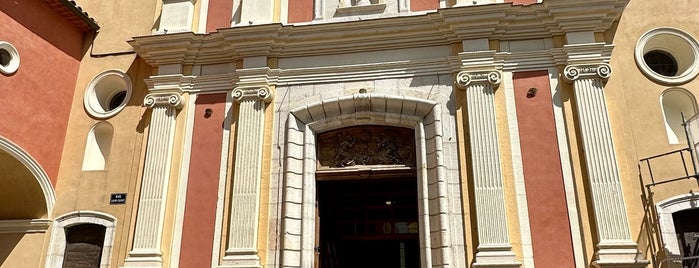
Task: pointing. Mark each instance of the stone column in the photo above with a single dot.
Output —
(247, 173)
(494, 249)
(156, 175)
(616, 247)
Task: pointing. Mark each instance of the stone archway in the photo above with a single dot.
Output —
(29, 182)
(27, 199)
(424, 116)
(665, 209)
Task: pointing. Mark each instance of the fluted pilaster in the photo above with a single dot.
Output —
(156, 174)
(245, 194)
(494, 249)
(616, 247)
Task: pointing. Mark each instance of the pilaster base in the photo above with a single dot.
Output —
(496, 257)
(240, 259)
(618, 255)
(150, 259)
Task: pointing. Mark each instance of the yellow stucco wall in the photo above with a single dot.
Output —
(20, 250)
(89, 190)
(635, 108)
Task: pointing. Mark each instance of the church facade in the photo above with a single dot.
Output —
(366, 133)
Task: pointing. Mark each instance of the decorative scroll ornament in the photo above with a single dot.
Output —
(172, 99)
(574, 72)
(463, 79)
(366, 145)
(255, 93)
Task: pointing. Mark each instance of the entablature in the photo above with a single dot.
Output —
(442, 27)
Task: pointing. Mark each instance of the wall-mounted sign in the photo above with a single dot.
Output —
(118, 198)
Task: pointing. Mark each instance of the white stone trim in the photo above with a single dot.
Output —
(300, 165)
(57, 246)
(203, 16)
(35, 168)
(665, 209)
(680, 44)
(13, 65)
(518, 172)
(566, 170)
(182, 184)
(24, 226)
(102, 89)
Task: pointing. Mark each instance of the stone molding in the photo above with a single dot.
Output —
(242, 94)
(165, 99)
(24, 226)
(57, 246)
(424, 116)
(665, 209)
(466, 78)
(442, 27)
(590, 71)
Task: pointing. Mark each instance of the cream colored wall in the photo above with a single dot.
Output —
(90, 190)
(633, 101)
(21, 250)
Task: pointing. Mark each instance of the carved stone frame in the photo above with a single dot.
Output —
(298, 212)
(665, 209)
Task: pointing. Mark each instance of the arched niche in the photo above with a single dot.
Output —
(675, 102)
(98, 146)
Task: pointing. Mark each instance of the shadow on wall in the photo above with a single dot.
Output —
(8, 242)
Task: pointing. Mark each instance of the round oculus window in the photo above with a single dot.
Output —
(668, 56)
(107, 94)
(9, 58)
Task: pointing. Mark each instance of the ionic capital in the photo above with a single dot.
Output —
(573, 72)
(171, 99)
(241, 94)
(465, 78)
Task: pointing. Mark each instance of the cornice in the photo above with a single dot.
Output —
(442, 27)
(169, 82)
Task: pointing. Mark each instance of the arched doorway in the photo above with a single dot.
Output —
(436, 223)
(367, 198)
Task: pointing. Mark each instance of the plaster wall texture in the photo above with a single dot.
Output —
(20, 250)
(634, 103)
(36, 102)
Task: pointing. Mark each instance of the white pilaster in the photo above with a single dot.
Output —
(156, 175)
(245, 194)
(494, 249)
(616, 247)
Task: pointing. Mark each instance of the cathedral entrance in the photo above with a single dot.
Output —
(367, 198)
(368, 223)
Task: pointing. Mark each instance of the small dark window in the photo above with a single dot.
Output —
(661, 62)
(116, 100)
(5, 57)
(84, 246)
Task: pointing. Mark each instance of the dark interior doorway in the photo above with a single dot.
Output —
(368, 223)
(687, 230)
(84, 246)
